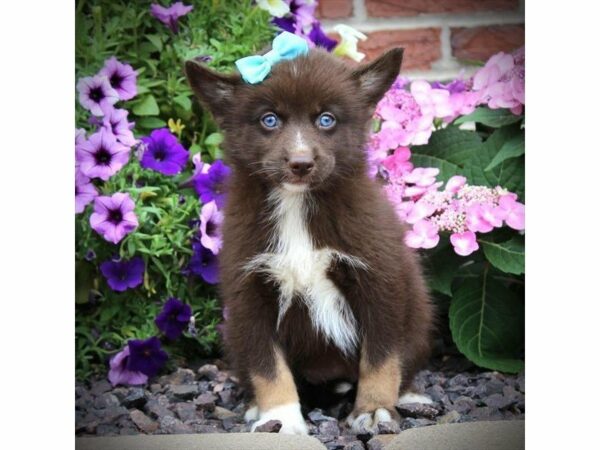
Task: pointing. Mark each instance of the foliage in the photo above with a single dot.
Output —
(167, 212)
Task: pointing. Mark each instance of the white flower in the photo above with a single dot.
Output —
(277, 8)
(348, 45)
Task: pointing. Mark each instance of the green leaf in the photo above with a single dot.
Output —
(495, 118)
(507, 256)
(214, 139)
(150, 123)
(444, 264)
(146, 107)
(195, 148)
(509, 174)
(156, 41)
(448, 149)
(512, 148)
(183, 101)
(487, 324)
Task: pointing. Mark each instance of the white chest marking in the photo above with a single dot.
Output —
(300, 269)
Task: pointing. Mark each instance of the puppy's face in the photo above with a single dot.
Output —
(305, 124)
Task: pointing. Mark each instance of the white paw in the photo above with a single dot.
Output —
(411, 397)
(367, 422)
(251, 414)
(289, 415)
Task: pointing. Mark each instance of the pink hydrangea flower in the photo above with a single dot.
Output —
(513, 212)
(424, 234)
(455, 183)
(464, 243)
(398, 163)
(433, 102)
(422, 176)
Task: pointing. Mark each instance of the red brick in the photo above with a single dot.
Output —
(384, 8)
(421, 46)
(334, 9)
(480, 43)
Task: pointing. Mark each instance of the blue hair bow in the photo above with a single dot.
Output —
(255, 69)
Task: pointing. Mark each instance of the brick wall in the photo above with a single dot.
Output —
(440, 37)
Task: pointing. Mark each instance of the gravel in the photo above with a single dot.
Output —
(208, 400)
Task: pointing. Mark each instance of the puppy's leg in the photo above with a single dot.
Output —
(277, 398)
(377, 393)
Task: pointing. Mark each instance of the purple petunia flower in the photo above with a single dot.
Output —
(211, 185)
(204, 264)
(119, 374)
(146, 356)
(285, 23)
(113, 217)
(101, 156)
(85, 192)
(173, 318)
(320, 39)
(163, 153)
(123, 275)
(79, 135)
(116, 122)
(210, 227)
(170, 16)
(96, 94)
(121, 77)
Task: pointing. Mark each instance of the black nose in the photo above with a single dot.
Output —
(301, 165)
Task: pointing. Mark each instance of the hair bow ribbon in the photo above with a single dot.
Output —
(255, 69)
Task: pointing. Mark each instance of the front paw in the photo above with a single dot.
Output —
(289, 415)
(365, 422)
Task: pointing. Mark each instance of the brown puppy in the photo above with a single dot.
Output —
(314, 272)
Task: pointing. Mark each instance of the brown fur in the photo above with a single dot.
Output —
(348, 213)
(277, 390)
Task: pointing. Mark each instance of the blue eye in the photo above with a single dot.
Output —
(270, 120)
(326, 120)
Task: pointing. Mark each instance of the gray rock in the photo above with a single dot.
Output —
(458, 380)
(487, 388)
(272, 426)
(485, 413)
(409, 422)
(156, 388)
(354, 445)
(106, 429)
(106, 400)
(208, 428)
(240, 428)
(436, 392)
(143, 422)
(180, 376)
(226, 397)
(379, 442)
(223, 413)
(128, 431)
(120, 392)
(462, 405)
(418, 410)
(206, 401)
(186, 411)
(136, 398)
(450, 417)
(100, 387)
(113, 413)
(171, 425)
(329, 427)
(158, 407)
(182, 391)
(316, 416)
(208, 372)
(520, 384)
(228, 423)
(499, 401)
(388, 427)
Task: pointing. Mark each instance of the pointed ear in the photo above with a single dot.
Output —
(214, 90)
(376, 77)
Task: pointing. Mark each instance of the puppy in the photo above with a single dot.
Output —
(316, 277)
